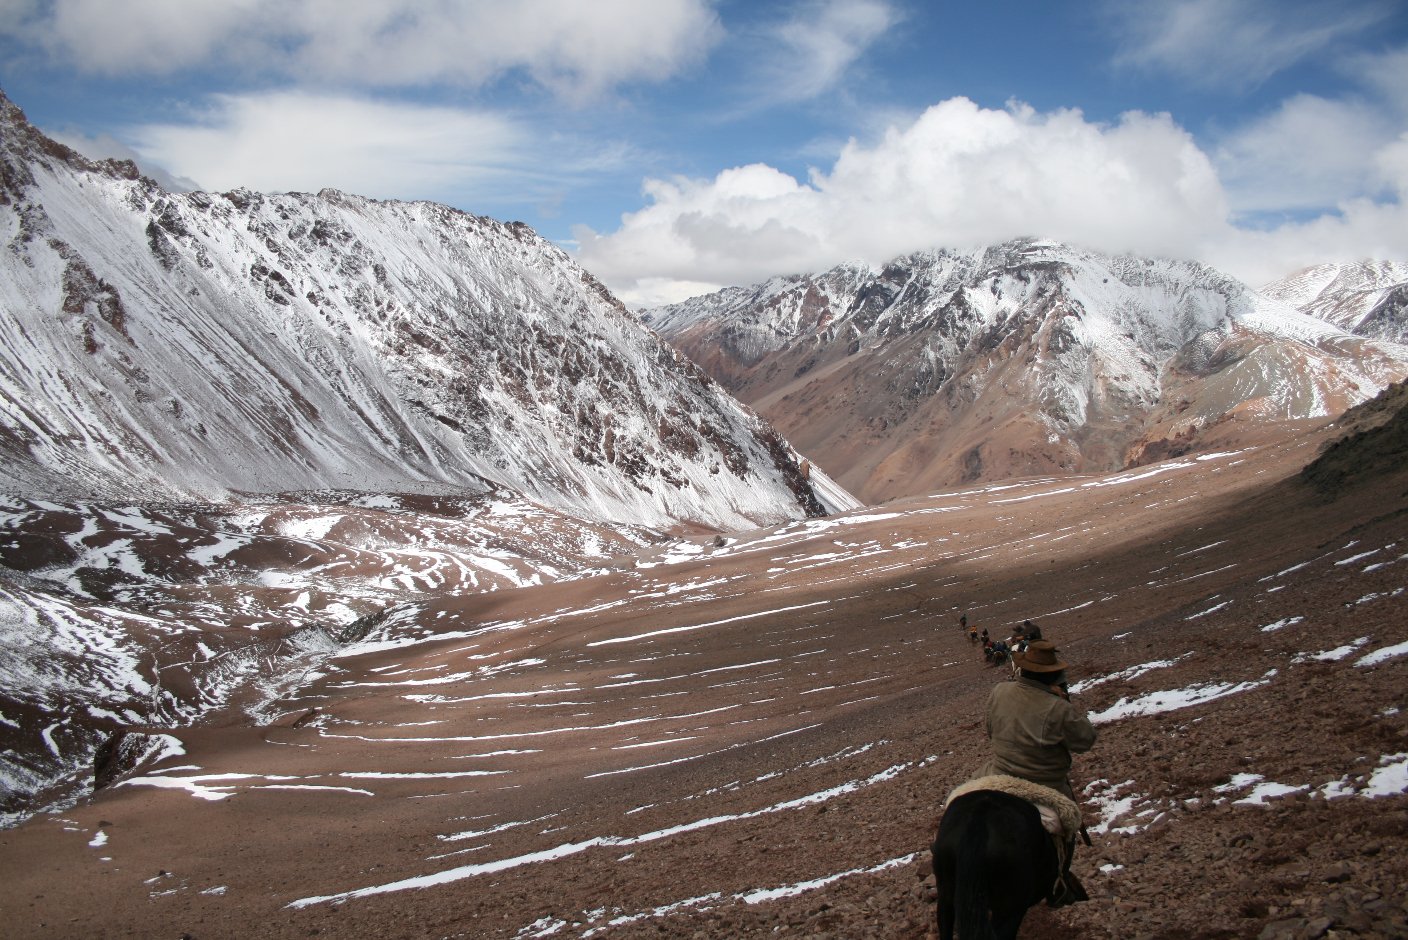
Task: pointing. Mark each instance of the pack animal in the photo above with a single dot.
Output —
(993, 860)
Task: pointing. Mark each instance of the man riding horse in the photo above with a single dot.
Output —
(1035, 729)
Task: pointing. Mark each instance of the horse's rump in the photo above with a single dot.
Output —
(992, 861)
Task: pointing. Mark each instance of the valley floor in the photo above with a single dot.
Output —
(751, 736)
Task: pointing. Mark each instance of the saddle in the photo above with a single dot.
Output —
(1060, 816)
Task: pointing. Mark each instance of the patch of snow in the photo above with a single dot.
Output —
(565, 850)
(1125, 675)
(1384, 655)
(1390, 778)
(1155, 703)
(1334, 655)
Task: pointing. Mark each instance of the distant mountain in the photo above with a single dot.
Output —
(1030, 357)
(1369, 298)
(161, 346)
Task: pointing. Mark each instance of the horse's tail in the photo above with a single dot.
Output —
(973, 885)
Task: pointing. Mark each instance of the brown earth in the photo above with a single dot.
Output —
(798, 729)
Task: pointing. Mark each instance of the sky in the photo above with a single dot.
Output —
(678, 146)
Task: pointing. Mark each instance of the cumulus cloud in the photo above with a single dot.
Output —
(1358, 230)
(1234, 43)
(575, 49)
(958, 175)
(963, 176)
(293, 141)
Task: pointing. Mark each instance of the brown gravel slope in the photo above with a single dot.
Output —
(753, 738)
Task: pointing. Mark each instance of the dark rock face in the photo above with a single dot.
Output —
(122, 753)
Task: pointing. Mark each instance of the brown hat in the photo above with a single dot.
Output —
(1040, 656)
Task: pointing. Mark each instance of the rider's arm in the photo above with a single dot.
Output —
(1078, 732)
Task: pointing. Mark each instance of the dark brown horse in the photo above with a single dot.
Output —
(992, 861)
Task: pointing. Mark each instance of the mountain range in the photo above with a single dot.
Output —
(1367, 298)
(949, 367)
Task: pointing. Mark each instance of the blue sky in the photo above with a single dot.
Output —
(679, 145)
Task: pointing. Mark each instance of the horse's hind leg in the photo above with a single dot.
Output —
(945, 918)
(1006, 923)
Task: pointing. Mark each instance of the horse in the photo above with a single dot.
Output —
(992, 861)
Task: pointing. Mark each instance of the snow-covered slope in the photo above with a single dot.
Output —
(177, 346)
(1027, 357)
(1368, 299)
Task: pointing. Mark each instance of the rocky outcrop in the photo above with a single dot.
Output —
(1374, 442)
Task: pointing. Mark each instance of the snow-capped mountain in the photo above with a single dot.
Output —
(177, 346)
(1369, 298)
(1030, 357)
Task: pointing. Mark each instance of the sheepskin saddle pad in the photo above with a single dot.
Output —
(1060, 816)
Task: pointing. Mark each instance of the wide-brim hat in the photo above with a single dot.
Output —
(1039, 656)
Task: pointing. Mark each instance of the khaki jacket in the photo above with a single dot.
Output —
(1034, 732)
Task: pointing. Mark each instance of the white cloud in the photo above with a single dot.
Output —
(292, 141)
(1392, 163)
(1311, 153)
(147, 36)
(1385, 74)
(958, 175)
(1235, 43)
(1359, 229)
(961, 176)
(812, 51)
(575, 49)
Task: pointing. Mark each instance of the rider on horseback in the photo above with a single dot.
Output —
(1035, 729)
